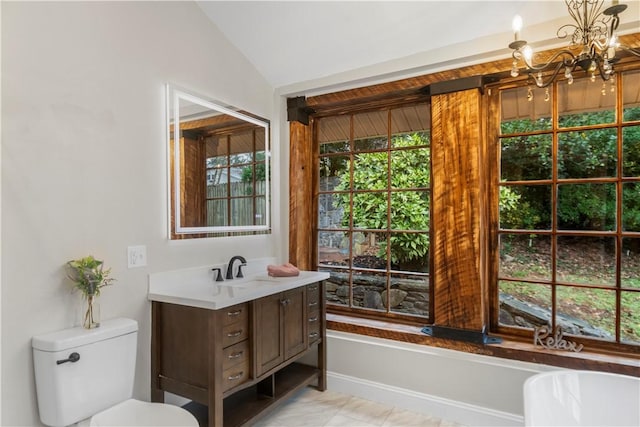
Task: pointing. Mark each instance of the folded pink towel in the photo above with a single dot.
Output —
(284, 270)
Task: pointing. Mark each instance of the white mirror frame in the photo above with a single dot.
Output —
(173, 96)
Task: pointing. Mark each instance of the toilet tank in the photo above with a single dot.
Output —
(102, 376)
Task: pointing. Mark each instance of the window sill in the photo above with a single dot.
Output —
(508, 349)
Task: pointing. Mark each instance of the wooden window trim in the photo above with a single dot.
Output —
(302, 250)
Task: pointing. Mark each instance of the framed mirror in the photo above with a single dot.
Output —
(218, 168)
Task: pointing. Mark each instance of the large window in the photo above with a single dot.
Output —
(374, 211)
(569, 209)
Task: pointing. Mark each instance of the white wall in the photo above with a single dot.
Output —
(83, 162)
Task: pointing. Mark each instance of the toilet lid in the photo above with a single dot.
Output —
(137, 413)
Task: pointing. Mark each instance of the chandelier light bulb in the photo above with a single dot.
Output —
(516, 24)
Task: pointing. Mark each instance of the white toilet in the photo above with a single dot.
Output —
(86, 376)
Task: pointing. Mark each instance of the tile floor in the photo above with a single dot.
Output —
(312, 408)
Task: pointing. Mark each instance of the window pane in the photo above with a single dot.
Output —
(410, 251)
(586, 260)
(630, 317)
(587, 207)
(261, 211)
(410, 210)
(413, 139)
(238, 187)
(333, 248)
(631, 151)
(524, 110)
(631, 96)
(582, 103)
(587, 154)
(525, 207)
(334, 173)
(586, 312)
(215, 187)
(369, 210)
(337, 286)
(217, 213)
(526, 305)
(367, 289)
(411, 119)
(370, 171)
(369, 250)
(334, 134)
(525, 158)
(630, 264)
(331, 210)
(242, 211)
(370, 131)
(525, 256)
(631, 206)
(409, 294)
(410, 168)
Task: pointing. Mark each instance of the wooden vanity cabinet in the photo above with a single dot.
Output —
(280, 331)
(240, 360)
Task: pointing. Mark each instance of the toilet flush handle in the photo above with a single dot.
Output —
(73, 357)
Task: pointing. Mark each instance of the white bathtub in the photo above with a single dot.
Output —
(581, 398)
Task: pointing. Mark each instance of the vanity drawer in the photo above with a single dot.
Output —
(234, 333)
(313, 326)
(235, 354)
(236, 313)
(235, 375)
(313, 296)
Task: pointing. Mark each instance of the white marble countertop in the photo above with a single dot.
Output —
(197, 288)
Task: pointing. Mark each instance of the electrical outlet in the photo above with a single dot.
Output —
(136, 256)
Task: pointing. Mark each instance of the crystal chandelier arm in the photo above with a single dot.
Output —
(540, 81)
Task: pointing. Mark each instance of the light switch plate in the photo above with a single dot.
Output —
(136, 256)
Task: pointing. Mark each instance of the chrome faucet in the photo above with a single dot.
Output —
(229, 274)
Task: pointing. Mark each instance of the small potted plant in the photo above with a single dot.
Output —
(89, 276)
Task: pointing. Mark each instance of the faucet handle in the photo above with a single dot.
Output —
(218, 274)
(240, 270)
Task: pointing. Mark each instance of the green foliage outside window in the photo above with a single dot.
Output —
(410, 170)
(581, 154)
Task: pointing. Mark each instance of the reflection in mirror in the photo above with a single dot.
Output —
(218, 169)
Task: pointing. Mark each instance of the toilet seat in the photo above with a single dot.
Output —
(134, 412)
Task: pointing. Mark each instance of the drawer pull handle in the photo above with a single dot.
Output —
(313, 304)
(313, 335)
(313, 319)
(285, 301)
(234, 313)
(313, 288)
(235, 355)
(236, 376)
(234, 334)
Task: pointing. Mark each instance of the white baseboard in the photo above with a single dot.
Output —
(449, 410)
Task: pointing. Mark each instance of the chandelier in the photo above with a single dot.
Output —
(592, 36)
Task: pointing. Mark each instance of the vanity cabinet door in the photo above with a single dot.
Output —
(295, 331)
(268, 333)
(280, 329)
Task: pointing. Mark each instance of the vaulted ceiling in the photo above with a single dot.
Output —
(297, 41)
